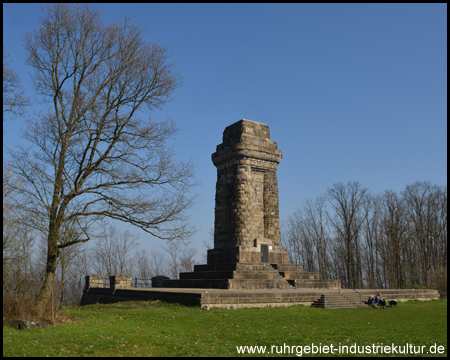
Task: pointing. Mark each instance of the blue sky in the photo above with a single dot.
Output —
(350, 92)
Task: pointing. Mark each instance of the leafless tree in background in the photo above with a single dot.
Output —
(17, 264)
(93, 153)
(187, 259)
(291, 239)
(350, 210)
(158, 263)
(306, 236)
(112, 251)
(143, 265)
(14, 99)
(180, 258)
(370, 244)
(208, 244)
(388, 240)
(17, 240)
(426, 208)
(394, 240)
(300, 245)
(78, 267)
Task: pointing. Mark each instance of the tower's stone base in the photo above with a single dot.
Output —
(246, 254)
(240, 268)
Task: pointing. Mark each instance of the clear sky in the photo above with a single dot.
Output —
(350, 92)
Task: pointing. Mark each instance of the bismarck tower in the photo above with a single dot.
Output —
(247, 209)
(247, 252)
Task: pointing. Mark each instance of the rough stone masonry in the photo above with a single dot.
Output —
(247, 209)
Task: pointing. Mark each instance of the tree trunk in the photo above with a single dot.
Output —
(47, 289)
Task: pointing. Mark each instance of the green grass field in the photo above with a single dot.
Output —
(155, 328)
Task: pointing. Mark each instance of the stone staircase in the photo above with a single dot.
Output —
(354, 298)
(337, 301)
(300, 279)
(250, 276)
(257, 277)
(234, 276)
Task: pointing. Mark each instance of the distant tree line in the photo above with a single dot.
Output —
(386, 240)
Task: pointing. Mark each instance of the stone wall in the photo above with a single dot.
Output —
(117, 281)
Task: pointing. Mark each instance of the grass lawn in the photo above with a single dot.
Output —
(154, 328)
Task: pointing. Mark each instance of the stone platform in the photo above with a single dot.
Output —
(250, 276)
(233, 299)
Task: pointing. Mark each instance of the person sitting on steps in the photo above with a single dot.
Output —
(378, 298)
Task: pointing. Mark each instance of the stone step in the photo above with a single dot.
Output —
(233, 266)
(398, 294)
(288, 267)
(231, 276)
(334, 306)
(339, 307)
(236, 284)
(207, 275)
(354, 298)
(317, 284)
(257, 275)
(251, 276)
(217, 267)
(300, 275)
(196, 283)
(236, 274)
(333, 301)
(291, 282)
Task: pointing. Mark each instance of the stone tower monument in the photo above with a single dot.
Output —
(247, 210)
(247, 252)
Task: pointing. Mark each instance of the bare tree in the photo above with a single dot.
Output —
(187, 259)
(80, 266)
(350, 210)
(395, 239)
(94, 153)
(68, 255)
(14, 100)
(316, 223)
(180, 258)
(208, 244)
(424, 205)
(20, 278)
(142, 267)
(112, 250)
(306, 236)
(296, 239)
(382, 241)
(371, 244)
